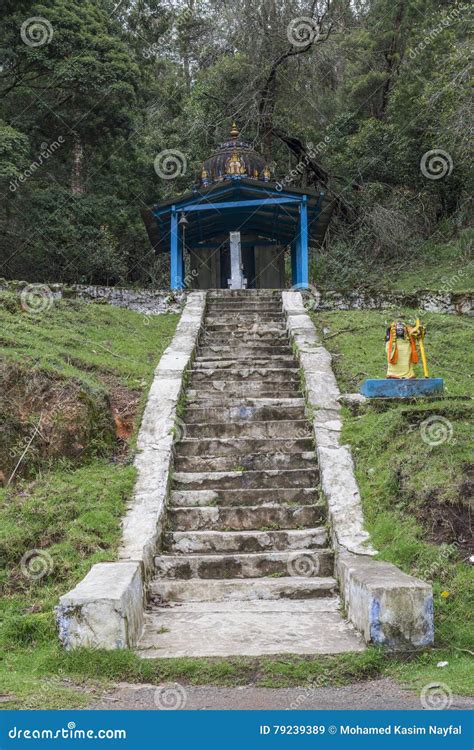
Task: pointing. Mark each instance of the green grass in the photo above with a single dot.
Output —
(432, 266)
(68, 514)
(83, 341)
(409, 487)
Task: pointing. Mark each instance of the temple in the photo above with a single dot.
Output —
(237, 225)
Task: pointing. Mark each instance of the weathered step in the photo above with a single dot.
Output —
(242, 351)
(230, 308)
(201, 590)
(233, 480)
(257, 374)
(186, 542)
(275, 363)
(250, 328)
(244, 413)
(271, 429)
(246, 565)
(196, 398)
(245, 518)
(254, 628)
(243, 316)
(244, 338)
(239, 389)
(209, 399)
(285, 495)
(250, 461)
(242, 446)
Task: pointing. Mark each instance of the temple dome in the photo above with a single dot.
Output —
(234, 158)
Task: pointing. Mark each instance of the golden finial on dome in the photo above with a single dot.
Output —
(234, 133)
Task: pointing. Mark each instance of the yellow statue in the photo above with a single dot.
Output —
(400, 345)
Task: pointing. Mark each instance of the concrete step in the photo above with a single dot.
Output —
(242, 351)
(255, 628)
(265, 337)
(259, 413)
(274, 363)
(246, 565)
(246, 480)
(262, 311)
(250, 462)
(243, 316)
(242, 446)
(238, 389)
(196, 398)
(256, 374)
(245, 304)
(248, 329)
(242, 589)
(186, 542)
(245, 518)
(285, 495)
(286, 428)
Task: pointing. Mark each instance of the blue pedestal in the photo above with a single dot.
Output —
(388, 388)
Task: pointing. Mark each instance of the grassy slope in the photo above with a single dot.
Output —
(434, 266)
(71, 514)
(404, 480)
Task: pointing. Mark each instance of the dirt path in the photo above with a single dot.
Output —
(377, 694)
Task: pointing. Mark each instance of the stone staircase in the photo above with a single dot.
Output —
(245, 566)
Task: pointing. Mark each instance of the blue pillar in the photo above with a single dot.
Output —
(303, 259)
(176, 253)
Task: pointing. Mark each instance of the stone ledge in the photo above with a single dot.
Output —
(104, 610)
(387, 606)
(390, 608)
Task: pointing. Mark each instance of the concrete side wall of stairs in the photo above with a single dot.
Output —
(246, 525)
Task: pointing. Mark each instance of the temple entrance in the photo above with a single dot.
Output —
(263, 265)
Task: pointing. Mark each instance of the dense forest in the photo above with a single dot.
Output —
(366, 99)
